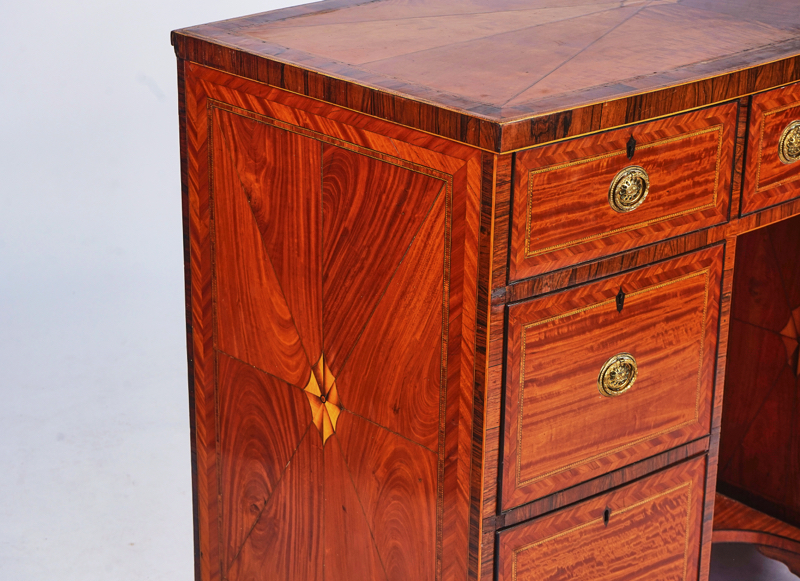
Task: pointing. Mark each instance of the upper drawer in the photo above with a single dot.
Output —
(773, 159)
(564, 192)
(570, 353)
(648, 530)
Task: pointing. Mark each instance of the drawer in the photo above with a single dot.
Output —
(563, 212)
(650, 529)
(570, 415)
(773, 159)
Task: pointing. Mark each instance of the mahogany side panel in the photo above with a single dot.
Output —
(559, 429)
(330, 406)
(562, 213)
(649, 529)
(768, 179)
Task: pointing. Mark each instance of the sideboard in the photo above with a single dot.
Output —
(495, 289)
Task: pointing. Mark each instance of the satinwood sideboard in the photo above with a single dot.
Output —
(466, 283)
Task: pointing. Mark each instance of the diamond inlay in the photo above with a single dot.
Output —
(324, 398)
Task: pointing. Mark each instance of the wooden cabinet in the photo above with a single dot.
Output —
(469, 285)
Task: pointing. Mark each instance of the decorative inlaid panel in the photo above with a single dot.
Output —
(333, 324)
(590, 197)
(608, 374)
(647, 530)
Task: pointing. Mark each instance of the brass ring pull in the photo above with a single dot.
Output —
(628, 189)
(789, 144)
(617, 375)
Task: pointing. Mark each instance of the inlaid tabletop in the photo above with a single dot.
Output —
(510, 59)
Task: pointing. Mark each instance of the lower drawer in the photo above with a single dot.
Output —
(647, 530)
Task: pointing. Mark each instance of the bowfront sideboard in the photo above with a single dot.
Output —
(498, 290)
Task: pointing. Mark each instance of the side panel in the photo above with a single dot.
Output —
(334, 284)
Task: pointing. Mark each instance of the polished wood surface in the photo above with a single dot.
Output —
(559, 429)
(506, 75)
(647, 530)
(760, 447)
(562, 213)
(318, 419)
(362, 260)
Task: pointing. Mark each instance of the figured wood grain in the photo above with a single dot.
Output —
(559, 430)
(768, 180)
(287, 542)
(396, 484)
(562, 215)
(363, 241)
(652, 532)
(265, 240)
(410, 396)
(254, 321)
(289, 224)
(350, 549)
(507, 75)
(262, 421)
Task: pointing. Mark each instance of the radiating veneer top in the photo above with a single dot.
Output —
(504, 61)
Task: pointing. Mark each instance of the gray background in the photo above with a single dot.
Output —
(94, 447)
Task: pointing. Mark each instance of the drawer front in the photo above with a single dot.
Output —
(563, 210)
(646, 530)
(772, 169)
(563, 423)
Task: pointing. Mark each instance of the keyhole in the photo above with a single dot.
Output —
(630, 147)
(606, 515)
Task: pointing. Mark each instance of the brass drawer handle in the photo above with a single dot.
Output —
(789, 144)
(628, 189)
(617, 375)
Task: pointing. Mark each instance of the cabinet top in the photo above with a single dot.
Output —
(506, 74)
